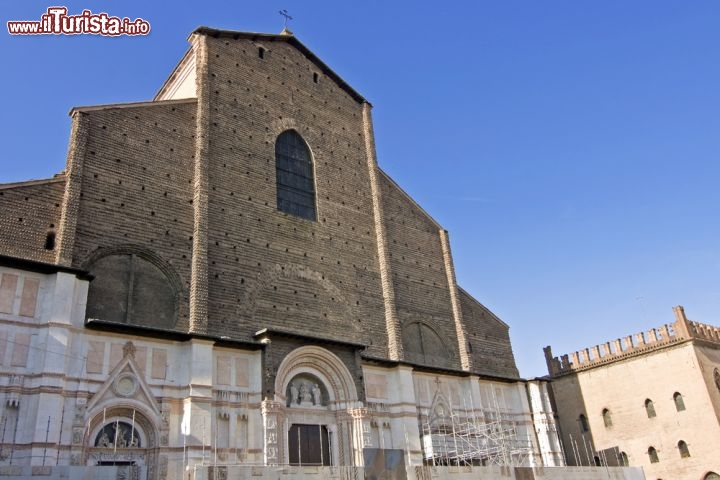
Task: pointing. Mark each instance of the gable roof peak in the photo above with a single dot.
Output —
(284, 36)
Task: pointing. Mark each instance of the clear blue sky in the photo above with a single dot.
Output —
(570, 148)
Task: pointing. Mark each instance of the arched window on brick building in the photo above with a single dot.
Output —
(679, 402)
(652, 453)
(683, 448)
(607, 417)
(294, 176)
(650, 408)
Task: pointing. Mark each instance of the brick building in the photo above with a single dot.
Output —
(224, 274)
(651, 399)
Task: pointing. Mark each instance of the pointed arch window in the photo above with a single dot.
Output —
(624, 461)
(294, 175)
(650, 408)
(607, 418)
(653, 455)
(679, 402)
(683, 448)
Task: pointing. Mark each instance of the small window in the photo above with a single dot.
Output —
(315, 77)
(50, 241)
(650, 408)
(684, 451)
(607, 418)
(261, 52)
(652, 453)
(679, 402)
(583, 423)
(624, 461)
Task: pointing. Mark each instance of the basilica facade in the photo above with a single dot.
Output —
(224, 275)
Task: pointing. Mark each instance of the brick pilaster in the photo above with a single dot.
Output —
(199, 264)
(73, 184)
(465, 360)
(392, 323)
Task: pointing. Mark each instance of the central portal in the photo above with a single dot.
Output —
(309, 445)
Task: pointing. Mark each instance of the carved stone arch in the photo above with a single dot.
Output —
(123, 418)
(711, 476)
(133, 285)
(323, 365)
(125, 412)
(440, 411)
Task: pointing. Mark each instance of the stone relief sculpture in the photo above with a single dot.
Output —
(305, 392)
(294, 394)
(317, 395)
(104, 440)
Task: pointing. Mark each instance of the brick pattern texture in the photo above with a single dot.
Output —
(257, 267)
(28, 212)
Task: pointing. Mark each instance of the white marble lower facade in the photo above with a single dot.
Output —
(74, 395)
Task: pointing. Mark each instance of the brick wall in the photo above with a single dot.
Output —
(136, 177)
(136, 185)
(421, 286)
(267, 268)
(28, 212)
(490, 339)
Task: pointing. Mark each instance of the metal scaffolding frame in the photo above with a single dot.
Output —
(464, 438)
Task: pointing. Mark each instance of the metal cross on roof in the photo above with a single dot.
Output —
(285, 14)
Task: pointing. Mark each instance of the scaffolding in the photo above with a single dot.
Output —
(462, 438)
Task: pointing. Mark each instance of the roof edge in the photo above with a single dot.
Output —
(168, 334)
(58, 178)
(420, 368)
(42, 267)
(111, 106)
(173, 73)
(267, 334)
(495, 317)
(412, 200)
(292, 40)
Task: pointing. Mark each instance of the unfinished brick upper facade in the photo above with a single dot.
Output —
(188, 186)
(226, 269)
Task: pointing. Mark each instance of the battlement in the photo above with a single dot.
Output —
(681, 330)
